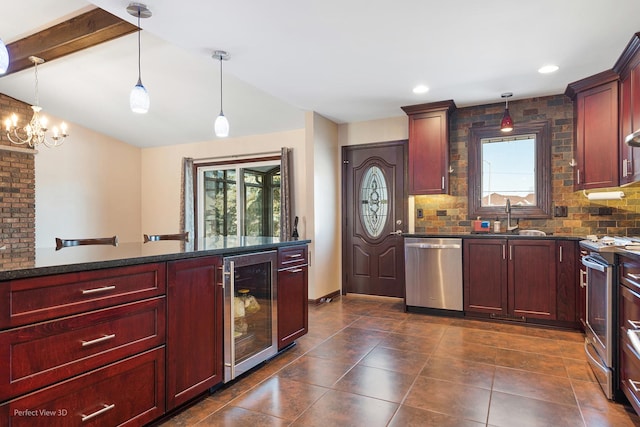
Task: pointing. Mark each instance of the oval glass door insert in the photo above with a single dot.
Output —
(374, 201)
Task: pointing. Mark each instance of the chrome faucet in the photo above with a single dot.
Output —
(508, 210)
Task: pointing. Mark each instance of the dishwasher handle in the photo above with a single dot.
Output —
(433, 245)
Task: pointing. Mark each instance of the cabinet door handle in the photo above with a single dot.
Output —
(504, 253)
(98, 340)
(578, 176)
(98, 412)
(560, 253)
(634, 276)
(635, 341)
(583, 279)
(97, 290)
(625, 167)
(634, 386)
(634, 324)
(510, 253)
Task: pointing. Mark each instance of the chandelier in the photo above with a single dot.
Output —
(35, 132)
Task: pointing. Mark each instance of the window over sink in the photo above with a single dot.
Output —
(515, 167)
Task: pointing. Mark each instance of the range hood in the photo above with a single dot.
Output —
(633, 139)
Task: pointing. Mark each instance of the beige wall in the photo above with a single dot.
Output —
(88, 187)
(323, 160)
(391, 129)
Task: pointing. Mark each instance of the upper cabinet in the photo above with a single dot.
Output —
(596, 136)
(429, 147)
(628, 67)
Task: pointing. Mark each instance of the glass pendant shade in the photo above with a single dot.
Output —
(506, 125)
(4, 58)
(139, 99)
(221, 126)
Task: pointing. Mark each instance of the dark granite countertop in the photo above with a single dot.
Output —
(471, 235)
(29, 262)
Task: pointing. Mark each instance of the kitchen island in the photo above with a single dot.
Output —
(121, 335)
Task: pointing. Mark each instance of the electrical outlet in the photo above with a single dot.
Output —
(419, 213)
(604, 211)
(560, 211)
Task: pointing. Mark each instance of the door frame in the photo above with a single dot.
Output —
(343, 196)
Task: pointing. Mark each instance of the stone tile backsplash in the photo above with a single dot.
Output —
(583, 215)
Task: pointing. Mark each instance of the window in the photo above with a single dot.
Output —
(515, 167)
(239, 199)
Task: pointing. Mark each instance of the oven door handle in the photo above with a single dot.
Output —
(590, 262)
(635, 340)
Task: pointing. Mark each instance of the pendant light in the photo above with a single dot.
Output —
(4, 57)
(221, 125)
(506, 125)
(139, 97)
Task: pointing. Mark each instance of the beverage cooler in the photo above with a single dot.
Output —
(250, 326)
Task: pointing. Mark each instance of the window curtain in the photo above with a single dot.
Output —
(187, 200)
(286, 177)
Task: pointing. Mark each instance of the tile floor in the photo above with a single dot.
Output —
(365, 362)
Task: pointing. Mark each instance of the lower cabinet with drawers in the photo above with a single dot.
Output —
(293, 302)
(629, 329)
(84, 348)
(124, 345)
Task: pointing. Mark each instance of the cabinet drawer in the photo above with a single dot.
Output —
(36, 299)
(291, 256)
(45, 353)
(630, 374)
(630, 272)
(629, 310)
(127, 393)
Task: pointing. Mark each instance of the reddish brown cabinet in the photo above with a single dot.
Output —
(128, 393)
(429, 147)
(628, 67)
(85, 348)
(510, 278)
(485, 276)
(195, 322)
(293, 320)
(629, 329)
(596, 131)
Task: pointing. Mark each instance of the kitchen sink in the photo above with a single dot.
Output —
(531, 233)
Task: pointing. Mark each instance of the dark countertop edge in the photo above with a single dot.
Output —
(97, 265)
(492, 236)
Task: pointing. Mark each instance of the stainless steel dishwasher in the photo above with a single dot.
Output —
(433, 270)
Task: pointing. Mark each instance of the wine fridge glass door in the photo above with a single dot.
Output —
(250, 311)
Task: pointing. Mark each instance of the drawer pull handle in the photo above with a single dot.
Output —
(98, 340)
(295, 270)
(634, 386)
(635, 341)
(97, 290)
(634, 276)
(98, 412)
(294, 256)
(635, 324)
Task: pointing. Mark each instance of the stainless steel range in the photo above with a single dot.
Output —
(599, 276)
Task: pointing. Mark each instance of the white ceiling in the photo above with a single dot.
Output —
(348, 60)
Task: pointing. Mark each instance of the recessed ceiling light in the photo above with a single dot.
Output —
(548, 69)
(420, 89)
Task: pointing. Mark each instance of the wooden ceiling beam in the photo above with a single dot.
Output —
(78, 33)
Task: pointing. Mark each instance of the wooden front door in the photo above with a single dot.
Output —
(374, 212)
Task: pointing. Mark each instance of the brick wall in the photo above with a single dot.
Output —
(582, 216)
(17, 192)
